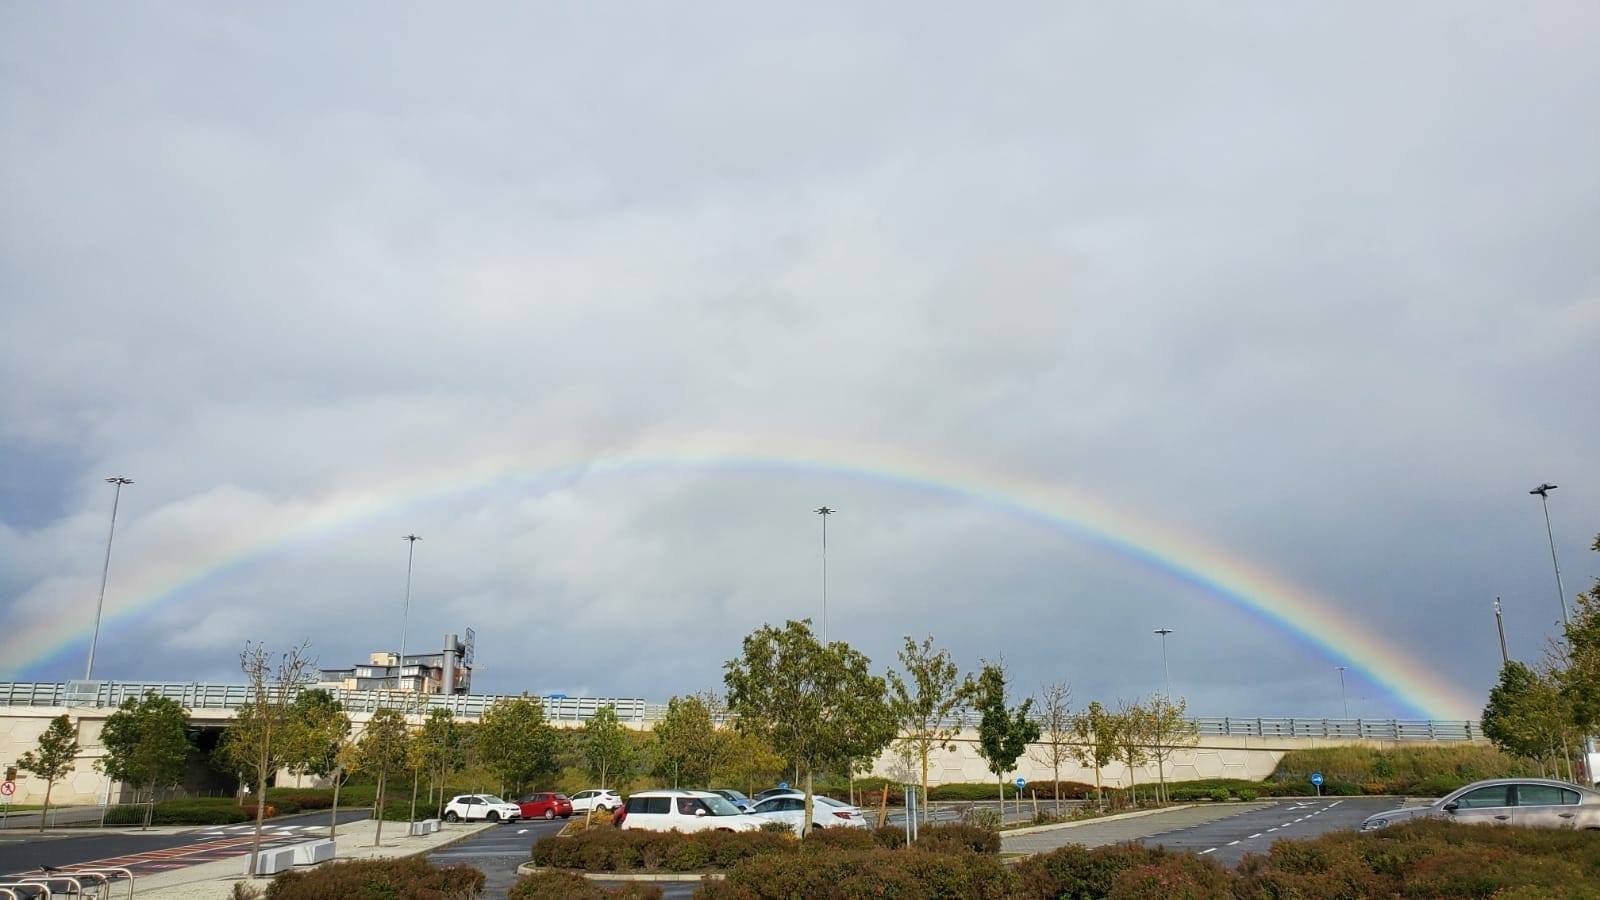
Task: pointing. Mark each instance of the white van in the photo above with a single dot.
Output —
(684, 811)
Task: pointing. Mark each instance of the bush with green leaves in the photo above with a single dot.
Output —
(403, 878)
(197, 811)
(567, 886)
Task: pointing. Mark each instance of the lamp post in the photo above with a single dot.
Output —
(1343, 699)
(411, 550)
(1166, 673)
(824, 512)
(117, 481)
(1543, 491)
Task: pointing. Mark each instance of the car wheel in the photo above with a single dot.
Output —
(451, 816)
(549, 814)
(493, 816)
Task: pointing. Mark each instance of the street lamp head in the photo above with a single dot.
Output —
(824, 511)
(411, 537)
(1342, 668)
(118, 479)
(1162, 631)
(1543, 490)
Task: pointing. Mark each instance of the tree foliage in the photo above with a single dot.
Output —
(52, 758)
(1130, 728)
(515, 742)
(1057, 731)
(686, 742)
(1095, 741)
(819, 707)
(146, 744)
(928, 701)
(1004, 733)
(607, 747)
(1525, 715)
(317, 726)
(1169, 730)
(381, 753)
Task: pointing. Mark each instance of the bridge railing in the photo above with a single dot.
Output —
(198, 695)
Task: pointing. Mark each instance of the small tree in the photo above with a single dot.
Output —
(746, 760)
(686, 742)
(146, 744)
(1095, 743)
(1526, 715)
(1169, 731)
(819, 706)
(1057, 733)
(928, 702)
(1003, 733)
(516, 743)
(607, 748)
(317, 723)
(380, 753)
(438, 746)
(265, 734)
(53, 758)
(1580, 678)
(1131, 727)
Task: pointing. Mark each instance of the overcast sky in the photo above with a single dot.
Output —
(1316, 284)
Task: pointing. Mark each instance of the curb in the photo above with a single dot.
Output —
(531, 869)
(1057, 826)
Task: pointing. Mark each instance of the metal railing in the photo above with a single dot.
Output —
(197, 696)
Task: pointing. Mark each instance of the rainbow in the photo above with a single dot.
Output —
(1294, 609)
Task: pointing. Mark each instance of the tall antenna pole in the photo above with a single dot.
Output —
(824, 512)
(105, 572)
(411, 550)
(1342, 696)
(1165, 672)
(1500, 626)
(1543, 491)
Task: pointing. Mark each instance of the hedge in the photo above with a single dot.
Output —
(566, 886)
(405, 878)
(195, 811)
(867, 873)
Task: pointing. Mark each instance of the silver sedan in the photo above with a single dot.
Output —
(1528, 802)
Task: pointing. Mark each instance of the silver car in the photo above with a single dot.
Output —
(1529, 802)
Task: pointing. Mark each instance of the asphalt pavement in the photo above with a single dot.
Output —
(498, 851)
(1228, 840)
(151, 852)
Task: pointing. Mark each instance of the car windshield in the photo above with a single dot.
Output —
(719, 806)
(490, 798)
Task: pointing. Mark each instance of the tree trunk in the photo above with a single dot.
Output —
(805, 823)
(333, 818)
(416, 778)
(1161, 772)
(149, 809)
(377, 810)
(922, 811)
(45, 813)
(1133, 783)
(1055, 788)
(1099, 792)
(261, 815)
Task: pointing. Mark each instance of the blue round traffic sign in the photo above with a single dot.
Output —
(1021, 782)
(1316, 778)
(783, 785)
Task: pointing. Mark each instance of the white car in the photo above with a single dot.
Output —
(828, 812)
(597, 799)
(685, 811)
(484, 807)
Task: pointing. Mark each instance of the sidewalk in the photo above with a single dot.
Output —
(1117, 829)
(215, 880)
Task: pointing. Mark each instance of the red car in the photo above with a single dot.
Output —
(547, 805)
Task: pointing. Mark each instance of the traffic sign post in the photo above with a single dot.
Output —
(1021, 782)
(6, 790)
(1316, 779)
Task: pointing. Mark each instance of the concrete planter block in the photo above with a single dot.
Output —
(271, 862)
(312, 852)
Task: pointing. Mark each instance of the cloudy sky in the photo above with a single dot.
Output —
(601, 302)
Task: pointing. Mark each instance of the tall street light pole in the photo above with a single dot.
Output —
(1500, 626)
(1166, 673)
(1543, 491)
(411, 551)
(824, 512)
(1343, 698)
(117, 481)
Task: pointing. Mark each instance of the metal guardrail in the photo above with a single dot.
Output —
(196, 695)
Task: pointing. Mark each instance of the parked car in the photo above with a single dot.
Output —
(1527, 802)
(827, 813)
(737, 799)
(596, 799)
(546, 805)
(487, 807)
(773, 792)
(676, 810)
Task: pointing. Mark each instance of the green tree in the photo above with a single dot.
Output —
(1095, 743)
(1526, 714)
(1056, 733)
(438, 747)
(516, 743)
(1580, 677)
(607, 748)
(1004, 733)
(380, 753)
(820, 707)
(686, 742)
(1130, 726)
(928, 702)
(52, 759)
(1169, 730)
(317, 723)
(146, 744)
(745, 761)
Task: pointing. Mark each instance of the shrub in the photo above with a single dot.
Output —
(957, 837)
(869, 873)
(612, 850)
(844, 839)
(1065, 790)
(405, 878)
(982, 817)
(1077, 873)
(1180, 876)
(200, 811)
(777, 828)
(1247, 793)
(565, 885)
(1220, 795)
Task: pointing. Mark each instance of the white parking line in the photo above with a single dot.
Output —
(1231, 843)
(1271, 830)
(1204, 852)
(1256, 835)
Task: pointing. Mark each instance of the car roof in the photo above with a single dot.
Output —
(674, 792)
(1547, 782)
